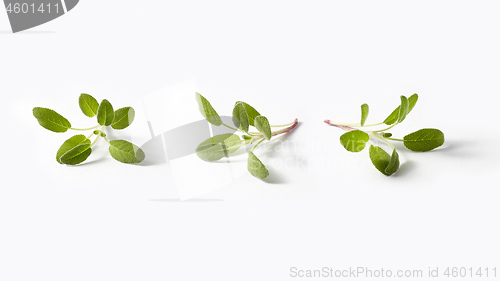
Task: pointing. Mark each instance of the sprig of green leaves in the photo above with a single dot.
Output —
(78, 148)
(354, 140)
(244, 117)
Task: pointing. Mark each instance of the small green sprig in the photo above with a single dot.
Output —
(78, 148)
(355, 140)
(244, 116)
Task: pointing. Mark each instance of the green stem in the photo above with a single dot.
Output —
(395, 139)
(84, 129)
(275, 126)
(106, 139)
(286, 130)
(352, 124)
(381, 138)
(257, 144)
(378, 131)
(97, 138)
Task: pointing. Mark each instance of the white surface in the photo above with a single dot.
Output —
(313, 60)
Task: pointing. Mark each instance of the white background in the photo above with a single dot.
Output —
(313, 60)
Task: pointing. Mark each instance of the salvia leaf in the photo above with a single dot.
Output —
(70, 144)
(364, 113)
(255, 166)
(105, 113)
(88, 105)
(77, 154)
(126, 152)
(240, 117)
(385, 163)
(262, 125)
(354, 141)
(207, 111)
(51, 120)
(387, 135)
(424, 140)
(123, 118)
(403, 109)
(216, 147)
(394, 116)
(251, 112)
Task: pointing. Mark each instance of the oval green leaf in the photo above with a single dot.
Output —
(214, 148)
(385, 163)
(51, 120)
(255, 167)
(387, 135)
(394, 116)
(123, 118)
(364, 113)
(70, 144)
(240, 117)
(105, 113)
(354, 141)
(424, 140)
(126, 152)
(88, 105)
(77, 154)
(404, 108)
(208, 111)
(262, 125)
(251, 112)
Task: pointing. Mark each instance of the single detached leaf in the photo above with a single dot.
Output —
(364, 113)
(126, 152)
(255, 167)
(88, 105)
(208, 111)
(386, 164)
(393, 118)
(105, 113)
(240, 117)
(251, 112)
(51, 120)
(77, 154)
(70, 144)
(123, 118)
(404, 108)
(262, 124)
(424, 140)
(354, 141)
(214, 148)
(387, 135)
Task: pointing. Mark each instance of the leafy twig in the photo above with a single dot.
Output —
(244, 116)
(78, 148)
(355, 139)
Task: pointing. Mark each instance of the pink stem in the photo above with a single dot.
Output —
(286, 130)
(345, 128)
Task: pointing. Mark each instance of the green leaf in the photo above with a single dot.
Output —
(88, 105)
(387, 135)
(240, 117)
(364, 113)
(208, 111)
(126, 152)
(77, 154)
(355, 140)
(214, 148)
(105, 113)
(70, 144)
(51, 120)
(403, 109)
(123, 118)
(251, 112)
(386, 164)
(262, 124)
(255, 167)
(424, 140)
(393, 118)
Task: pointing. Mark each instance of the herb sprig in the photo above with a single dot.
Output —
(78, 148)
(355, 140)
(244, 116)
